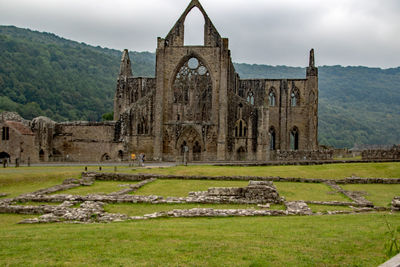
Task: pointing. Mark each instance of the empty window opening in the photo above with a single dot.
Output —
(272, 139)
(5, 133)
(271, 99)
(196, 151)
(294, 139)
(250, 98)
(295, 98)
(41, 155)
(194, 28)
(240, 129)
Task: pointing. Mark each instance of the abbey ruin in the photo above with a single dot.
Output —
(197, 104)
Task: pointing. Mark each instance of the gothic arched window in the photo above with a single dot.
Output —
(240, 128)
(271, 98)
(272, 138)
(294, 139)
(192, 88)
(295, 98)
(250, 98)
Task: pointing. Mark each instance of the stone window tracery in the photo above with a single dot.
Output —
(193, 88)
(240, 128)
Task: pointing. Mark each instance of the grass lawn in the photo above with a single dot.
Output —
(98, 187)
(308, 191)
(339, 240)
(142, 209)
(379, 194)
(181, 188)
(328, 171)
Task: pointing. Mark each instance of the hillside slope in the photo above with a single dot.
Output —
(43, 74)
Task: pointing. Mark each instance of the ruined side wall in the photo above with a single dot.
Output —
(393, 153)
(86, 141)
(284, 117)
(129, 90)
(21, 147)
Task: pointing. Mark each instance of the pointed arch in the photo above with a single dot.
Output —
(175, 36)
(295, 97)
(194, 27)
(250, 97)
(192, 89)
(272, 138)
(240, 128)
(294, 138)
(272, 97)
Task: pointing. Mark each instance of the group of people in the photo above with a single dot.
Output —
(140, 159)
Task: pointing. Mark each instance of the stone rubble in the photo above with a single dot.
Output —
(396, 204)
(3, 194)
(298, 208)
(257, 192)
(91, 209)
(356, 196)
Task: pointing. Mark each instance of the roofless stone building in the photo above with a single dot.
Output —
(197, 101)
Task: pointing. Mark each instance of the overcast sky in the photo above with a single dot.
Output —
(274, 32)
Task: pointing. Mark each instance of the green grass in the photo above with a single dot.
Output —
(338, 240)
(142, 209)
(328, 171)
(16, 181)
(325, 208)
(308, 191)
(98, 187)
(379, 194)
(181, 188)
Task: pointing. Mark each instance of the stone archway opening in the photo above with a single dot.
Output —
(196, 151)
(4, 156)
(41, 155)
(241, 154)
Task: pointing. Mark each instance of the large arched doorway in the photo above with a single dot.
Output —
(41, 155)
(196, 151)
(241, 154)
(4, 157)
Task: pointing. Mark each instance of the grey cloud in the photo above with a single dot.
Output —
(346, 32)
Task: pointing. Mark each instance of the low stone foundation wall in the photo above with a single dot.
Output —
(301, 155)
(396, 204)
(393, 153)
(257, 192)
(141, 176)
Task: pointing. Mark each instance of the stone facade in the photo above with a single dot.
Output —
(197, 107)
(198, 101)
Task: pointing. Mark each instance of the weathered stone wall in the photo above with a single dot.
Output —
(301, 155)
(393, 153)
(87, 142)
(20, 144)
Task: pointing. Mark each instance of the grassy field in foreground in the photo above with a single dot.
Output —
(328, 171)
(340, 240)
